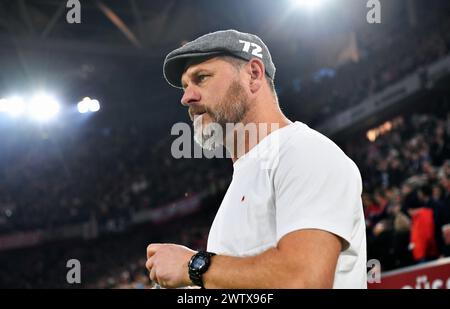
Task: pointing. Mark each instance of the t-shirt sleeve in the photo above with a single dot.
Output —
(316, 187)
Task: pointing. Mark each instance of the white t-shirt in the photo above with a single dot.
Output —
(293, 179)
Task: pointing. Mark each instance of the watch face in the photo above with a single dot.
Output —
(198, 263)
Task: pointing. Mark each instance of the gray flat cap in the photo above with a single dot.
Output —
(226, 42)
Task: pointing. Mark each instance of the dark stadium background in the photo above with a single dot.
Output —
(99, 187)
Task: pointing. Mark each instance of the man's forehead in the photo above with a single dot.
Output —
(194, 65)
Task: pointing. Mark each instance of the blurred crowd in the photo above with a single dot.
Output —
(406, 175)
(114, 260)
(393, 57)
(50, 178)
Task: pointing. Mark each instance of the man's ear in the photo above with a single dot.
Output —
(256, 69)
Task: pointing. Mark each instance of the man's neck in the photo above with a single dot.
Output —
(264, 123)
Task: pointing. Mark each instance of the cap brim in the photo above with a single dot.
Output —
(175, 66)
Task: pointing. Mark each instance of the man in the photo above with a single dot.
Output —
(292, 216)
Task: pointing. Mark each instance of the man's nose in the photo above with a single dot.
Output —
(190, 96)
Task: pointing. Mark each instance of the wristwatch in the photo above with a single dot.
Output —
(198, 265)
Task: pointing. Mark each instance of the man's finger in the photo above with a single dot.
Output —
(149, 264)
(153, 274)
(151, 249)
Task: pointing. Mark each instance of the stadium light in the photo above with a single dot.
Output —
(95, 106)
(83, 106)
(43, 107)
(308, 4)
(14, 106)
(3, 105)
(88, 105)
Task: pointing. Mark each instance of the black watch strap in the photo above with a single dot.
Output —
(196, 274)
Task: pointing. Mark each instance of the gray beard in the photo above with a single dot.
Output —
(210, 136)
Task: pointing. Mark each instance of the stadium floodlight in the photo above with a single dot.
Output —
(3, 105)
(88, 105)
(308, 4)
(83, 105)
(14, 106)
(43, 107)
(94, 106)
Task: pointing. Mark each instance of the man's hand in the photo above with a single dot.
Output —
(168, 264)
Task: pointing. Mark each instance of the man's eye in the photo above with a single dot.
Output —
(201, 78)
